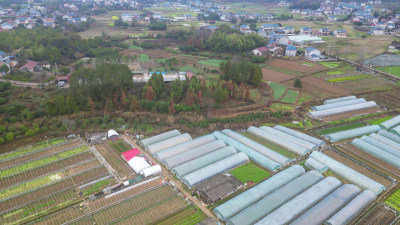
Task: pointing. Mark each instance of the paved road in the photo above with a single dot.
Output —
(178, 184)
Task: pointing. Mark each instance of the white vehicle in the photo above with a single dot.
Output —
(61, 84)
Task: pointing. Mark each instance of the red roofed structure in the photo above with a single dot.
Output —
(128, 155)
(30, 66)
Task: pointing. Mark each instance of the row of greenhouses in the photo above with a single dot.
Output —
(294, 196)
(340, 105)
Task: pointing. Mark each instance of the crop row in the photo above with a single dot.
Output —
(29, 185)
(340, 128)
(394, 200)
(36, 147)
(340, 79)
(96, 187)
(42, 161)
(249, 172)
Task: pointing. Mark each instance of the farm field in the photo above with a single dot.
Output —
(275, 76)
(189, 216)
(290, 97)
(343, 116)
(340, 128)
(367, 85)
(120, 146)
(389, 98)
(394, 200)
(379, 120)
(115, 160)
(279, 90)
(144, 58)
(211, 62)
(281, 107)
(322, 86)
(330, 64)
(249, 172)
(347, 78)
(270, 145)
(303, 66)
(379, 215)
(394, 70)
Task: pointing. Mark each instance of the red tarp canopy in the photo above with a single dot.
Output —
(128, 155)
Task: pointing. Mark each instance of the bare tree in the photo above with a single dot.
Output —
(361, 55)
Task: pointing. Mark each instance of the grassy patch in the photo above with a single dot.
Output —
(305, 97)
(96, 187)
(283, 70)
(341, 79)
(394, 200)
(190, 69)
(394, 70)
(282, 107)
(144, 58)
(120, 146)
(211, 62)
(290, 97)
(340, 128)
(270, 145)
(308, 64)
(134, 47)
(337, 72)
(278, 90)
(379, 120)
(249, 172)
(189, 216)
(330, 64)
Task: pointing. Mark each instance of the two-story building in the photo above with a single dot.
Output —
(4, 57)
(340, 33)
(290, 51)
(305, 31)
(312, 53)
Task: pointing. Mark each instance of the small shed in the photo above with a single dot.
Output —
(111, 134)
(217, 188)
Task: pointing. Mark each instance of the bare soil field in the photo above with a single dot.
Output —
(303, 66)
(102, 202)
(369, 84)
(275, 76)
(38, 154)
(62, 216)
(378, 216)
(115, 161)
(342, 116)
(369, 173)
(89, 175)
(390, 98)
(371, 160)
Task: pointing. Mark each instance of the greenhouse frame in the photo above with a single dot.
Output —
(343, 135)
(274, 200)
(300, 135)
(347, 213)
(174, 150)
(315, 165)
(279, 158)
(249, 197)
(156, 147)
(385, 139)
(203, 161)
(387, 148)
(396, 130)
(328, 206)
(299, 150)
(347, 173)
(161, 137)
(342, 109)
(338, 104)
(341, 99)
(257, 157)
(295, 207)
(390, 123)
(191, 154)
(377, 152)
(221, 166)
(390, 136)
(290, 138)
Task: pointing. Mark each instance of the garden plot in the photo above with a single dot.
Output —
(211, 62)
(339, 128)
(383, 60)
(278, 89)
(389, 98)
(379, 215)
(394, 200)
(120, 146)
(115, 160)
(275, 76)
(290, 97)
(330, 64)
(347, 115)
(249, 172)
(394, 70)
(62, 216)
(189, 216)
(303, 66)
(323, 86)
(348, 78)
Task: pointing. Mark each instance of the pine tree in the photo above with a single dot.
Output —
(171, 107)
(149, 95)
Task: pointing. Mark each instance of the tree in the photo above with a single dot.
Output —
(4, 69)
(148, 93)
(109, 105)
(171, 108)
(297, 83)
(68, 124)
(220, 94)
(157, 25)
(29, 133)
(10, 137)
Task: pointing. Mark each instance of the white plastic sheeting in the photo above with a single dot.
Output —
(290, 138)
(300, 150)
(295, 207)
(249, 197)
(193, 153)
(386, 139)
(315, 165)
(203, 161)
(377, 152)
(337, 104)
(341, 99)
(343, 109)
(300, 135)
(396, 130)
(277, 198)
(328, 206)
(390, 123)
(257, 157)
(348, 173)
(156, 169)
(283, 160)
(221, 166)
(111, 133)
(389, 135)
(347, 213)
(161, 137)
(342, 135)
(174, 150)
(156, 147)
(387, 148)
(138, 164)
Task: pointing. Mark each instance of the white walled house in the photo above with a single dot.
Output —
(127, 17)
(260, 51)
(291, 51)
(312, 53)
(340, 33)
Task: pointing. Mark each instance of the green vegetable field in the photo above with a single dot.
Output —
(340, 128)
(290, 97)
(250, 172)
(211, 62)
(144, 58)
(278, 90)
(120, 146)
(330, 64)
(394, 200)
(357, 77)
(380, 120)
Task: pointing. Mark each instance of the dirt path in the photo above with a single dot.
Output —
(178, 184)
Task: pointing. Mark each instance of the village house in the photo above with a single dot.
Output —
(8, 25)
(270, 27)
(377, 31)
(305, 31)
(312, 53)
(245, 29)
(340, 33)
(280, 39)
(324, 32)
(30, 67)
(127, 17)
(260, 51)
(4, 57)
(291, 51)
(331, 19)
(287, 30)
